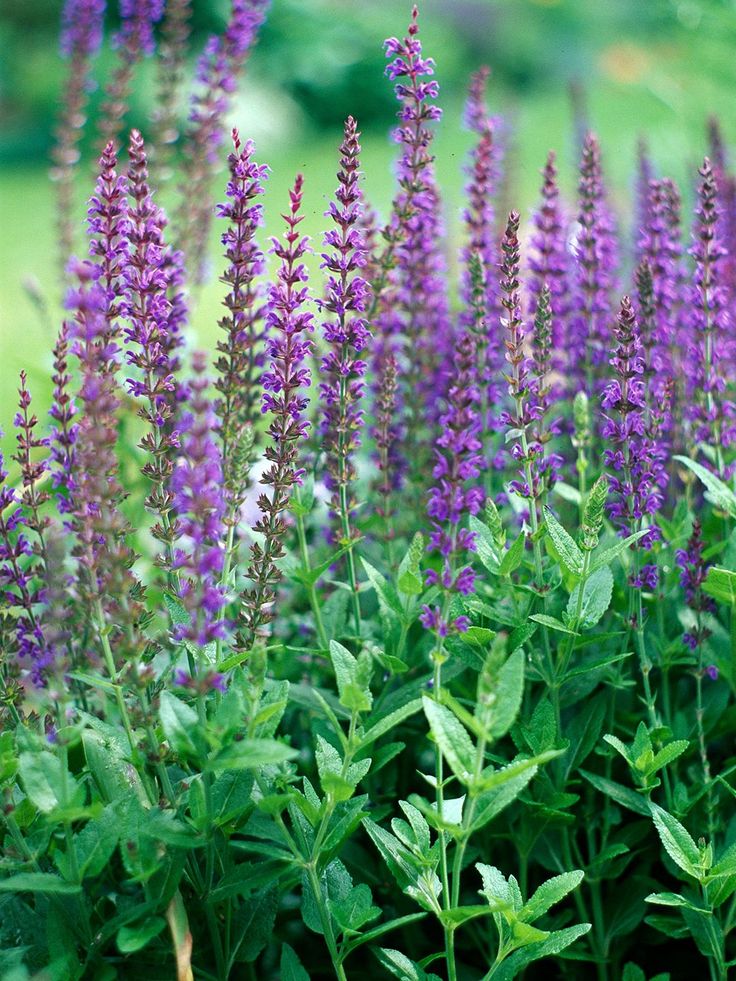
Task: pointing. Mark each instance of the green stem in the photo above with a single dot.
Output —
(438, 657)
(311, 590)
(326, 922)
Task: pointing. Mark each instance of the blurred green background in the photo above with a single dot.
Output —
(652, 68)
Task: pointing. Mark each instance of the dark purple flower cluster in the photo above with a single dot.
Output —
(345, 332)
(64, 432)
(285, 384)
(218, 71)
(108, 226)
(635, 494)
(419, 277)
(81, 27)
(241, 355)
(694, 573)
(710, 413)
(595, 252)
(454, 496)
(550, 266)
(199, 502)
(138, 18)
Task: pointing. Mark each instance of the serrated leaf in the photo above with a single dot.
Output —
(552, 622)
(38, 882)
(291, 967)
(718, 493)
(388, 599)
(549, 893)
(401, 966)
(603, 559)
(452, 738)
(721, 585)
(485, 546)
(672, 899)
(499, 695)
(557, 941)
(513, 556)
(666, 755)
(597, 592)
(617, 792)
(677, 841)
(355, 910)
(178, 721)
(569, 554)
(409, 576)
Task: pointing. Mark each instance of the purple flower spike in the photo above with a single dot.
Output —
(137, 21)
(285, 383)
(710, 414)
(484, 171)
(241, 355)
(199, 501)
(346, 333)
(218, 72)
(458, 462)
(420, 299)
(81, 28)
(694, 571)
(595, 264)
(109, 227)
(81, 38)
(550, 266)
(148, 311)
(635, 493)
(64, 433)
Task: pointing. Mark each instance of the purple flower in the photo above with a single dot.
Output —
(109, 227)
(81, 28)
(137, 20)
(218, 71)
(458, 462)
(285, 383)
(64, 433)
(710, 414)
(712, 672)
(199, 503)
(346, 334)
(550, 266)
(694, 571)
(419, 309)
(484, 172)
(595, 254)
(635, 494)
(241, 355)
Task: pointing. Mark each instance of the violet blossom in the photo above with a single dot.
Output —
(285, 384)
(346, 333)
(199, 502)
(454, 496)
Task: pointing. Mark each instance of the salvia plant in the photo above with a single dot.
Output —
(397, 639)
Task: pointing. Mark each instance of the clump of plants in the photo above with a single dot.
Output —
(399, 638)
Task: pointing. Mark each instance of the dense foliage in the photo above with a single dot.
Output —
(400, 639)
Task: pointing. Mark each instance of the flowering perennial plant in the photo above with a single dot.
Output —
(403, 647)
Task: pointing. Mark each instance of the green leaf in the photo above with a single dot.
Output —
(38, 882)
(677, 842)
(485, 545)
(178, 721)
(552, 622)
(135, 937)
(569, 554)
(721, 585)
(401, 966)
(458, 915)
(352, 678)
(409, 578)
(291, 967)
(389, 722)
(370, 935)
(666, 755)
(41, 776)
(452, 738)
(604, 559)
(490, 803)
(549, 893)
(251, 754)
(673, 899)
(513, 556)
(718, 493)
(499, 694)
(597, 592)
(491, 778)
(557, 941)
(617, 792)
(177, 614)
(388, 599)
(355, 910)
